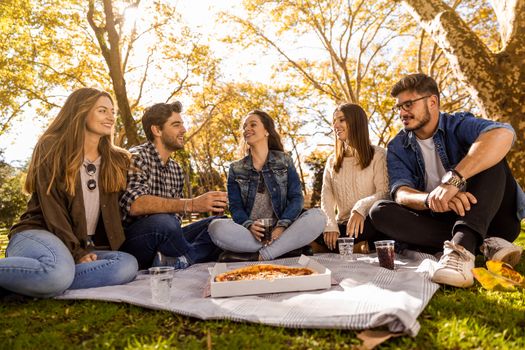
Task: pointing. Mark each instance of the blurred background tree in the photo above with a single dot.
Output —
(12, 198)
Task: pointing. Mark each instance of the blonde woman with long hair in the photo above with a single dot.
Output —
(68, 235)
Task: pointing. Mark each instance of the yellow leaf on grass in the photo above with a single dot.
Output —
(492, 281)
(505, 270)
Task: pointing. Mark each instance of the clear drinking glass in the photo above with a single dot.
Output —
(161, 279)
(346, 247)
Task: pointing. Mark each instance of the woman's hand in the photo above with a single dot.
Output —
(257, 231)
(88, 258)
(330, 238)
(277, 232)
(355, 224)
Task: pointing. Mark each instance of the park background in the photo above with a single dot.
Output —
(295, 59)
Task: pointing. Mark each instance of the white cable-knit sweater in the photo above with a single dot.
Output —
(353, 188)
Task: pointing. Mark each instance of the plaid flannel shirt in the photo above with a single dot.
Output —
(148, 176)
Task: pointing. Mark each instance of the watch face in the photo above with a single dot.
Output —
(447, 177)
(452, 179)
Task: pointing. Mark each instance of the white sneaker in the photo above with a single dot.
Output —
(455, 266)
(498, 249)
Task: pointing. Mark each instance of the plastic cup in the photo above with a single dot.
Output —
(385, 253)
(267, 223)
(161, 279)
(346, 247)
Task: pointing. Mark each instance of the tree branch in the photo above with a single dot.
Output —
(465, 51)
(257, 32)
(511, 19)
(143, 81)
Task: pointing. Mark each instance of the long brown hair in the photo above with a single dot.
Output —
(357, 136)
(274, 139)
(61, 148)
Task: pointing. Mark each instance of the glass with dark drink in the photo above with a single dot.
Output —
(267, 223)
(386, 254)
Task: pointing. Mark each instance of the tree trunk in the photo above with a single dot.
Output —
(113, 60)
(495, 80)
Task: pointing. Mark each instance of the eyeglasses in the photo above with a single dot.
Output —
(91, 169)
(407, 104)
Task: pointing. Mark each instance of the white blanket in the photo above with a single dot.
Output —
(367, 296)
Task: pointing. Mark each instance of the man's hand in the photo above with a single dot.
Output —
(447, 197)
(462, 202)
(439, 198)
(88, 258)
(355, 224)
(214, 201)
(257, 231)
(330, 238)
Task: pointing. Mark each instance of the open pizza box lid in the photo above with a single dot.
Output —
(321, 280)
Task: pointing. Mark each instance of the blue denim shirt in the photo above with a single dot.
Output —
(282, 183)
(453, 138)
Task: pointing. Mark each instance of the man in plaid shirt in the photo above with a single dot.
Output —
(152, 203)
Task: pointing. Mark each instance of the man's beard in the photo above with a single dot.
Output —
(171, 144)
(423, 122)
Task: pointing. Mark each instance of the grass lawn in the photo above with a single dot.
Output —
(454, 319)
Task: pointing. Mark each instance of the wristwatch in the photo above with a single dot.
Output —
(454, 178)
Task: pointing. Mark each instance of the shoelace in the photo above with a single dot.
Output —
(452, 260)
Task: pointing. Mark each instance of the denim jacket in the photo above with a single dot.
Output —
(282, 183)
(453, 138)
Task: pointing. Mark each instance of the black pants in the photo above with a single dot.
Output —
(370, 234)
(494, 215)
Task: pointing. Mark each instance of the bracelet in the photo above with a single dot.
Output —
(426, 202)
(185, 206)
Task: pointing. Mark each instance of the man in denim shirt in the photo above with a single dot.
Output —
(450, 183)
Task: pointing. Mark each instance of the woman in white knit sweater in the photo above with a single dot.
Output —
(355, 177)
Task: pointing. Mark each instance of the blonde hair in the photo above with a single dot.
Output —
(61, 148)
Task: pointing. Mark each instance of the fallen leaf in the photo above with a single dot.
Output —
(505, 270)
(492, 281)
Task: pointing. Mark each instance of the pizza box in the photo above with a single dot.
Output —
(321, 280)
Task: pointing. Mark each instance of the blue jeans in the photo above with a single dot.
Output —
(228, 235)
(38, 264)
(164, 233)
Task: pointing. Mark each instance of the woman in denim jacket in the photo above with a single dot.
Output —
(264, 184)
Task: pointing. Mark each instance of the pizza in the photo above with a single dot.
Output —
(263, 272)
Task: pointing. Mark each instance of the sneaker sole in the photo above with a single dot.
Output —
(509, 255)
(448, 282)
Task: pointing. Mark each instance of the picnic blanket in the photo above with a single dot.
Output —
(364, 296)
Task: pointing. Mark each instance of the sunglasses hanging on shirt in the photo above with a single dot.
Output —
(91, 169)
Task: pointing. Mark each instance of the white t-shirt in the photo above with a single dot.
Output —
(434, 169)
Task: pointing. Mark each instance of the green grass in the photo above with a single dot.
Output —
(454, 319)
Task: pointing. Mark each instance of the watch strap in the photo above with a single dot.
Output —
(455, 180)
(459, 175)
